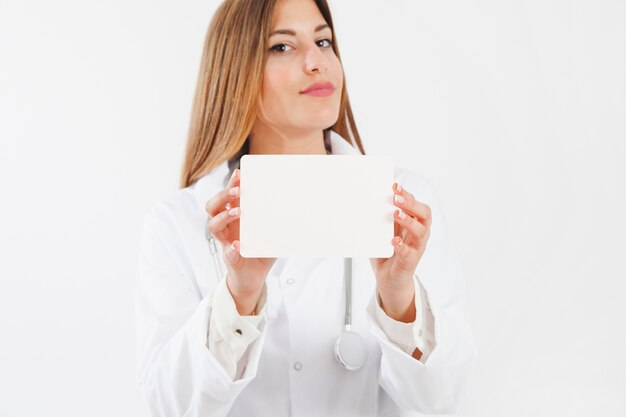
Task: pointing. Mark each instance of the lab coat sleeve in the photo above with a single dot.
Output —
(177, 372)
(439, 383)
(408, 336)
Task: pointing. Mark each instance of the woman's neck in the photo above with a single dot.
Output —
(265, 140)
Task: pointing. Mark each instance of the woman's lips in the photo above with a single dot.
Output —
(320, 90)
(324, 92)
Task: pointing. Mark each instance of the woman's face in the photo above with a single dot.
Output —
(296, 61)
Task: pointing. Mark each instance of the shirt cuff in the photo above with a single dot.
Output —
(237, 330)
(407, 336)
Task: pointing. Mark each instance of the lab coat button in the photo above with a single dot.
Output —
(297, 366)
(291, 281)
(238, 332)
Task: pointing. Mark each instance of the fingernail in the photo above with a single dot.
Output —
(233, 211)
(402, 214)
(399, 188)
(233, 191)
(399, 199)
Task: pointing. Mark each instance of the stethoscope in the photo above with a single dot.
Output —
(350, 348)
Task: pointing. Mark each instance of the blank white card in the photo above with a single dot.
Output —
(316, 206)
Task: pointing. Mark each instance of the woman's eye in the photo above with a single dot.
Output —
(278, 46)
(327, 40)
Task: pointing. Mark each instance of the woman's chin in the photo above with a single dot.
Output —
(320, 124)
(325, 117)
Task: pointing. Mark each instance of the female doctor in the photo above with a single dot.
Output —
(223, 335)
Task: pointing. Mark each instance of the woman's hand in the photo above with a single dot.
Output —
(394, 276)
(246, 276)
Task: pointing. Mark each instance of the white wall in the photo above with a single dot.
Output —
(516, 110)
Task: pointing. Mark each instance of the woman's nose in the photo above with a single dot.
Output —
(315, 60)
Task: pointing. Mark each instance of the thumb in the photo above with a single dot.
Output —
(232, 253)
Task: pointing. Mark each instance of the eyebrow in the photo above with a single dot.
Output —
(293, 33)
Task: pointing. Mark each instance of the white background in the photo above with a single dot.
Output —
(515, 109)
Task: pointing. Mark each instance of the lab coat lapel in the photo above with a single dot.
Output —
(340, 146)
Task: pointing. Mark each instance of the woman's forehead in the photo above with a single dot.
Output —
(297, 16)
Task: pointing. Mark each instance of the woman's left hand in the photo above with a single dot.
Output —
(394, 276)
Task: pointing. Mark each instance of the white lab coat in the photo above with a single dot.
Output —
(291, 369)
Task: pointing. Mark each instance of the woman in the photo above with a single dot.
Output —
(260, 342)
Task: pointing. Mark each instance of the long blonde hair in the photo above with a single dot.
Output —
(229, 83)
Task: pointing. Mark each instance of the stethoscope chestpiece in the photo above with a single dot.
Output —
(351, 350)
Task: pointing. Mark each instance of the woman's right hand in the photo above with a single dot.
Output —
(246, 276)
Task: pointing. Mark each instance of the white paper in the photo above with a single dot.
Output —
(316, 206)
